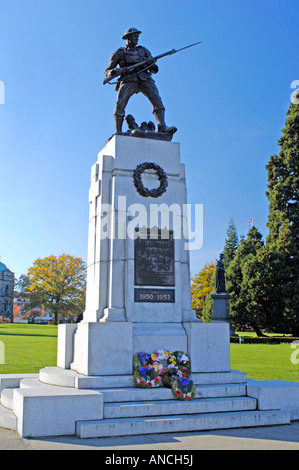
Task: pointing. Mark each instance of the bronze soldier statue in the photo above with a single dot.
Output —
(138, 82)
(220, 276)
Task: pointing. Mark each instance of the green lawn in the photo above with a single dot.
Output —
(265, 361)
(28, 348)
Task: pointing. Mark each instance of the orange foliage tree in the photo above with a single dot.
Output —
(55, 284)
(202, 285)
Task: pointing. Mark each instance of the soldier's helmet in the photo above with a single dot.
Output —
(131, 31)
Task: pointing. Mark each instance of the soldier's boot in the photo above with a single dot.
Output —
(118, 119)
(160, 118)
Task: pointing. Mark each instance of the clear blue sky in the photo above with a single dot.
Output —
(227, 97)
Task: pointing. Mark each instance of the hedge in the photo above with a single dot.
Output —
(263, 339)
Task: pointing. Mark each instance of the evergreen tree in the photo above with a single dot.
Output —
(283, 218)
(207, 311)
(243, 305)
(231, 243)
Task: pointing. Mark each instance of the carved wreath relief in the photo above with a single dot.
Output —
(137, 178)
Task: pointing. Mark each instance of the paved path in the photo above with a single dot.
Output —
(264, 438)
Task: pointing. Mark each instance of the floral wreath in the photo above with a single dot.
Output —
(145, 192)
(172, 370)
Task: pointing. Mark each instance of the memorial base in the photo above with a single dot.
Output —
(103, 348)
(108, 348)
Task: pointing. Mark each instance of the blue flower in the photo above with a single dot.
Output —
(184, 382)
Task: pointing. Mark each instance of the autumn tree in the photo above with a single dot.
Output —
(56, 284)
(202, 285)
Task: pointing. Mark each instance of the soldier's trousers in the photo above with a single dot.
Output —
(128, 89)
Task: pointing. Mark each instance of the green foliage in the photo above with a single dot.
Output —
(264, 280)
(207, 311)
(264, 339)
(231, 243)
(242, 271)
(283, 218)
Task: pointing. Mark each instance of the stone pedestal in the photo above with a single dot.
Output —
(103, 348)
(221, 312)
(138, 294)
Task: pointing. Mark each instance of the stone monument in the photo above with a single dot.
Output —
(138, 278)
(138, 294)
(138, 301)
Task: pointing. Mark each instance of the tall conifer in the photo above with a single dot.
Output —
(283, 218)
(231, 243)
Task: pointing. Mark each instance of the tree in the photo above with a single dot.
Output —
(283, 218)
(202, 285)
(231, 243)
(245, 309)
(56, 284)
(264, 306)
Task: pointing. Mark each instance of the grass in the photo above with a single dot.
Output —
(265, 361)
(28, 348)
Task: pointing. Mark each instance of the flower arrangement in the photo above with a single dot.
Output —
(183, 389)
(145, 375)
(165, 368)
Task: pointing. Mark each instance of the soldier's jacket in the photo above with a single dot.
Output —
(124, 57)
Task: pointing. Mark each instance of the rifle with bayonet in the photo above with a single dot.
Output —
(143, 65)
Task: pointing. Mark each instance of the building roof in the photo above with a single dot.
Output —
(3, 267)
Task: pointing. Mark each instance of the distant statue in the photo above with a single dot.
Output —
(220, 276)
(132, 78)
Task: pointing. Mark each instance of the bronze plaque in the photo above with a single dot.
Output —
(154, 295)
(154, 260)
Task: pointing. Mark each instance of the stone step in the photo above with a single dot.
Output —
(180, 423)
(175, 407)
(35, 382)
(70, 378)
(230, 377)
(162, 393)
(7, 398)
(8, 419)
(13, 380)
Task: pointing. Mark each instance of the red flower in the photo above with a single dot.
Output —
(149, 384)
(187, 397)
(178, 393)
(156, 380)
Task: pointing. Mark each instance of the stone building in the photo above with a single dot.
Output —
(7, 280)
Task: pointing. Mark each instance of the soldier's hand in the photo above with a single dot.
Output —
(150, 61)
(118, 71)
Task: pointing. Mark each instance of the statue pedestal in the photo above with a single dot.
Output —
(221, 311)
(138, 295)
